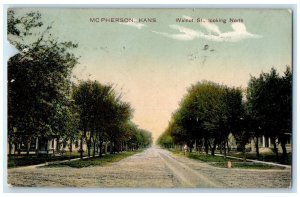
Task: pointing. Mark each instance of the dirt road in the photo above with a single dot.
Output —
(153, 168)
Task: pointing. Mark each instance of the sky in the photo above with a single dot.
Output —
(153, 63)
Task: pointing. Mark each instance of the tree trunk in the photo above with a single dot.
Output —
(81, 147)
(284, 152)
(19, 149)
(28, 148)
(70, 150)
(111, 147)
(244, 152)
(191, 147)
(213, 148)
(100, 148)
(257, 148)
(9, 149)
(206, 146)
(57, 144)
(94, 146)
(37, 146)
(117, 148)
(89, 146)
(71, 142)
(275, 148)
(224, 149)
(227, 144)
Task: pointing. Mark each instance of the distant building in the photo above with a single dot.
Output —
(51, 145)
(264, 144)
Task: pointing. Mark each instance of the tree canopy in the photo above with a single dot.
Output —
(210, 112)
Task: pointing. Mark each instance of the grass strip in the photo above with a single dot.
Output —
(246, 165)
(18, 161)
(267, 157)
(98, 161)
(219, 161)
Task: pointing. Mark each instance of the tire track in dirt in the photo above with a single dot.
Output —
(187, 176)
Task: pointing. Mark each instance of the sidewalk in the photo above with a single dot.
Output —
(53, 162)
(47, 163)
(257, 161)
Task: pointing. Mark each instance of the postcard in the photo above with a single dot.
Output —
(150, 98)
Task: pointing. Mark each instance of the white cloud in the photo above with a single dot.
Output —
(213, 32)
(186, 33)
(239, 33)
(210, 27)
(187, 17)
(135, 24)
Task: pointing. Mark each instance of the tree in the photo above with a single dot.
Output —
(286, 110)
(146, 138)
(269, 101)
(103, 106)
(69, 124)
(102, 115)
(242, 133)
(44, 103)
(253, 109)
(209, 114)
(91, 99)
(233, 113)
(166, 139)
(38, 79)
(206, 115)
(120, 113)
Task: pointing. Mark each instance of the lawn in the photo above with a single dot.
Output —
(246, 165)
(98, 161)
(220, 161)
(268, 157)
(209, 158)
(17, 161)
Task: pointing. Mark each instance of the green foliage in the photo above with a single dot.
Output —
(207, 158)
(22, 26)
(268, 157)
(95, 104)
(18, 161)
(166, 141)
(39, 86)
(105, 160)
(269, 103)
(209, 112)
(137, 138)
(104, 116)
(219, 161)
(43, 102)
(247, 165)
(145, 138)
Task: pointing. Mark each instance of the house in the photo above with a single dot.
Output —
(264, 144)
(51, 145)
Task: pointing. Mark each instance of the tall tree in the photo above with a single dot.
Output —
(83, 99)
(207, 113)
(285, 105)
(269, 101)
(38, 78)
